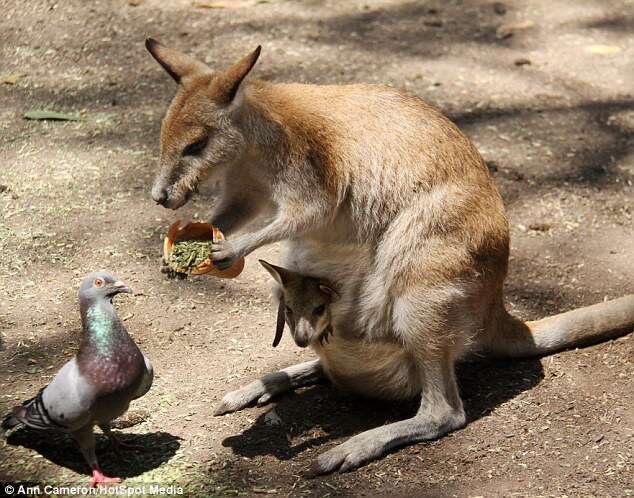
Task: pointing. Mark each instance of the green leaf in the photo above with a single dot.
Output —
(51, 116)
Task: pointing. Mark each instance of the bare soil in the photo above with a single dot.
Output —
(557, 133)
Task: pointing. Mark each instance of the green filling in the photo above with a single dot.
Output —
(188, 255)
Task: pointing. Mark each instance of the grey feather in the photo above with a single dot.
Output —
(69, 398)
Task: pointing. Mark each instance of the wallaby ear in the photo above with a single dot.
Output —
(334, 295)
(281, 275)
(228, 84)
(177, 64)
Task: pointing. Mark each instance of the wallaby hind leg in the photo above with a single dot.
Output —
(262, 390)
(440, 412)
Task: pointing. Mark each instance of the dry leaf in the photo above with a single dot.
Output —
(603, 49)
(12, 78)
(507, 30)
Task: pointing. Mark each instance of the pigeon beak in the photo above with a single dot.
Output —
(119, 286)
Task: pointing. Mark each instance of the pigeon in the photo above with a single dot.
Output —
(97, 385)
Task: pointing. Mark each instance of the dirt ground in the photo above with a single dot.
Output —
(551, 108)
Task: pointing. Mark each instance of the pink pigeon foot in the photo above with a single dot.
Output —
(98, 478)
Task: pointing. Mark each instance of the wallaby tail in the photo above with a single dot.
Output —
(581, 327)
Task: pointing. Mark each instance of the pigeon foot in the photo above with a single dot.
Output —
(98, 479)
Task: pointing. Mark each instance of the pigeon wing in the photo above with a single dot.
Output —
(146, 381)
(69, 398)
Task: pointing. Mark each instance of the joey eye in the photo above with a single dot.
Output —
(319, 310)
(195, 148)
(98, 282)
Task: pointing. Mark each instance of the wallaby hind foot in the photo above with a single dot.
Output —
(440, 412)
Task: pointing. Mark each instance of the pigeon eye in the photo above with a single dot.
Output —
(319, 310)
(98, 282)
(195, 148)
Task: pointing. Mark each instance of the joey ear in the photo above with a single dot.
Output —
(281, 275)
(281, 321)
(228, 84)
(177, 64)
(334, 295)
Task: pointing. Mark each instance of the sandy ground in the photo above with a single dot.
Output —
(557, 133)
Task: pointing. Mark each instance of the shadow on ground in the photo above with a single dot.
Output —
(320, 414)
(62, 450)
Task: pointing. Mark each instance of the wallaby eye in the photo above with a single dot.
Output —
(288, 311)
(195, 148)
(319, 310)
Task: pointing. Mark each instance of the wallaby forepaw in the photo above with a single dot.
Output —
(237, 400)
(223, 254)
(230, 403)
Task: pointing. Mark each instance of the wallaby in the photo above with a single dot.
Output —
(306, 307)
(376, 191)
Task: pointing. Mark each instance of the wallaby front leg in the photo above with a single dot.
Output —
(231, 214)
(440, 412)
(287, 224)
(262, 390)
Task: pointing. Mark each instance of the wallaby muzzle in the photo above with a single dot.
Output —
(164, 195)
(159, 194)
(303, 333)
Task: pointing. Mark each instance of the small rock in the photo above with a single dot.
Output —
(435, 23)
(538, 226)
(499, 8)
(4, 188)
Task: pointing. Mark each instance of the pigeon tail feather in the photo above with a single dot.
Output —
(33, 414)
(9, 422)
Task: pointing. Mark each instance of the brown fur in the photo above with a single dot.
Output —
(372, 189)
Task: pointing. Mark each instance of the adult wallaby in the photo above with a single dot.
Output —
(379, 192)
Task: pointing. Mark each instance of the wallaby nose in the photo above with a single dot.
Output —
(159, 194)
(302, 333)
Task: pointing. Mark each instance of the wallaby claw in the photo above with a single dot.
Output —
(223, 254)
(264, 399)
